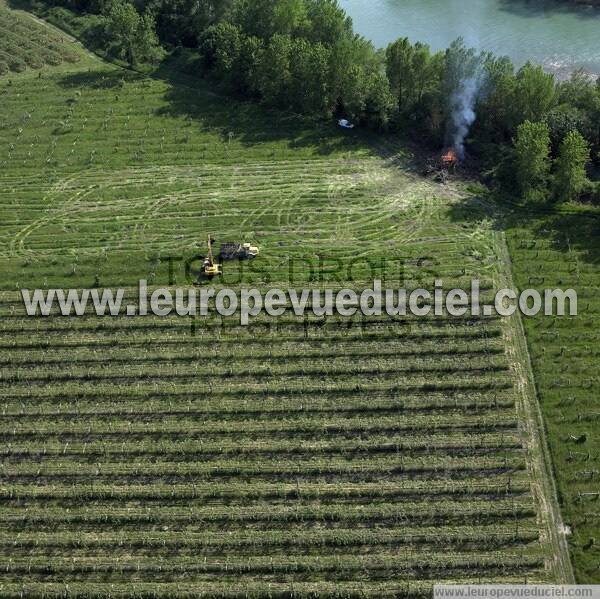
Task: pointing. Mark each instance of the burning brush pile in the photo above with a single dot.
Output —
(444, 165)
(449, 159)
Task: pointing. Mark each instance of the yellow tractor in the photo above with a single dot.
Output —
(210, 268)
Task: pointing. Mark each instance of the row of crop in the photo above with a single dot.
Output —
(95, 232)
(80, 255)
(256, 589)
(157, 406)
(25, 160)
(506, 485)
(274, 473)
(407, 443)
(315, 299)
(274, 362)
(156, 354)
(240, 465)
(353, 390)
(133, 149)
(374, 566)
(232, 424)
(309, 406)
(229, 379)
(463, 537)
(266, 451)
(231, 325)
(95, 449)
(131, 134)
(93, 237)
(165, 370)
(382, 337)
(199, 181)
(203, 515)
(299, 389)
(17, 59)
(97, 226)
(438, 344)
(101, 153)
(273, 386)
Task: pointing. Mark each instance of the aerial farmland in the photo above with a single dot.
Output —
(314, 456)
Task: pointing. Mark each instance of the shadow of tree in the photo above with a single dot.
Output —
(97, 79)
(251, 123)
(567, 228)
(248, 122)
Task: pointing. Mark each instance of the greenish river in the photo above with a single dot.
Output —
(558, 36)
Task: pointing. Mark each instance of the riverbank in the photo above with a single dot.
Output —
(561, 36)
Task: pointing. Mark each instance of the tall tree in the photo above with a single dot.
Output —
(532, 159)
(265, 18)
(232, 56)
(352, 58)
(310, 86)
(147, 47)
(401, 71)
(133, 35)
(570, 178)
(580, 98)
(182, 22)
(221, 46)
(534, 93)
(327, 22)
(380, 101)
(412, 73)
(122, 25)
(496, 122)
(274, 71)
(289, 16)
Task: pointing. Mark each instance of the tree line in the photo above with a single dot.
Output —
(523, 126)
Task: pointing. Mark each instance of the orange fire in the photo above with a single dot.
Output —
(449, 158)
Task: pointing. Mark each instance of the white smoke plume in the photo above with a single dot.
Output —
(466, 76)
(463, 111)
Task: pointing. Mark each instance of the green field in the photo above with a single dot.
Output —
(562, 249)
(156, 457)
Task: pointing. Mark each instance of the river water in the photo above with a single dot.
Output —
(560, 38)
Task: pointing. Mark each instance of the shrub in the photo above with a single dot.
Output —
(16, 64)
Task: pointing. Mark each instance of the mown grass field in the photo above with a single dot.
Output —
(155, 456)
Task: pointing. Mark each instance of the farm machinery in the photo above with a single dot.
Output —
(229, 251)
(210, 268)
(238, 251)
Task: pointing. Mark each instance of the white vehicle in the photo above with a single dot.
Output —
(345, 124)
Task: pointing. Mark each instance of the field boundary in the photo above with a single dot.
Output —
(539, 461)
